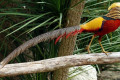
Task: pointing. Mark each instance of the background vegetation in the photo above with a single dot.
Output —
(21, 20)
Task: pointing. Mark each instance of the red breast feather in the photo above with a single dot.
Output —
(108, 26)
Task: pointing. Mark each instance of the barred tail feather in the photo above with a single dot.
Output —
(81, 30)
(58, 38)
(75, 32)
(71, 33)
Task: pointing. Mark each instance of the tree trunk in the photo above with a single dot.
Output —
(67, 45)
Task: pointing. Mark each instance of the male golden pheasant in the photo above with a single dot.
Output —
(101, 25)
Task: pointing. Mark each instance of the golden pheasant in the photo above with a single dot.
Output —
(100, 25)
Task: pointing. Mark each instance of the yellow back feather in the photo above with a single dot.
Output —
(94, 24)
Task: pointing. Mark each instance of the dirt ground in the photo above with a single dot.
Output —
(112, 72)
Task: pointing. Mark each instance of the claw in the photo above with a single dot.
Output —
(88, 48)
(105, 52)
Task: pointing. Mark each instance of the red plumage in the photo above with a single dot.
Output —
(107, 27)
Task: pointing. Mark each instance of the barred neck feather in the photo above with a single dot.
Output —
(114, 13)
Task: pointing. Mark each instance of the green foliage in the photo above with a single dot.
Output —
(28, 19)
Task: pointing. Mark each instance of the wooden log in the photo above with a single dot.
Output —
(58, 63)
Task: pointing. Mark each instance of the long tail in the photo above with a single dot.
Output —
(69, 34)
(34, 41)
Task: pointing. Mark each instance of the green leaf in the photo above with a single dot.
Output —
(34, 19)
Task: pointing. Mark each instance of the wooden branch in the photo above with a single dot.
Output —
(58, 63)
(36, 40)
